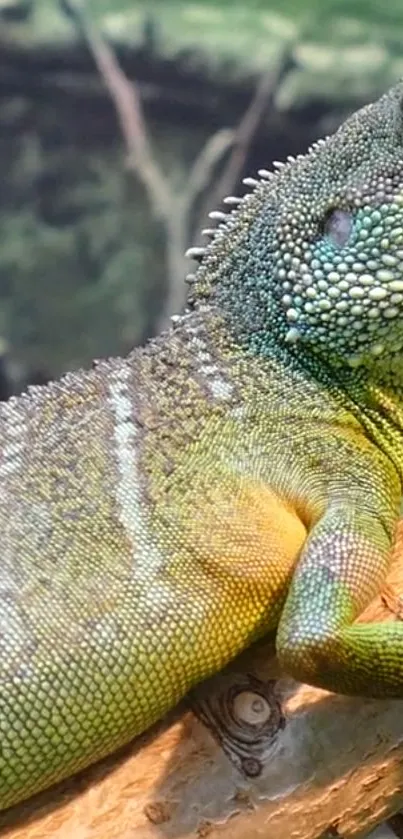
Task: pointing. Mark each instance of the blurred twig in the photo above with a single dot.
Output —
(172, 208)
(248, 128)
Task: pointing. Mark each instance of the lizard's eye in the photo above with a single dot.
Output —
(337, 227)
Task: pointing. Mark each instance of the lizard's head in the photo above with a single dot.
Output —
(315, 253)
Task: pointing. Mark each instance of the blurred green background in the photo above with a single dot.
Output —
(88, 266)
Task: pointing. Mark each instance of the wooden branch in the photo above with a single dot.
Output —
(246, 131)
(172, 207)
(258, 757)
(126, 99)
(203, 167)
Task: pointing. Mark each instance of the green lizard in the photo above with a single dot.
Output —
(243, 472)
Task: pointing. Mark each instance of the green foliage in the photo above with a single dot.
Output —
(234, 37)
(78, 266)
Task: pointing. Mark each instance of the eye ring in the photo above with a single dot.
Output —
(337, 226)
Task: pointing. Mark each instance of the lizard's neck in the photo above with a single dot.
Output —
(372, 391)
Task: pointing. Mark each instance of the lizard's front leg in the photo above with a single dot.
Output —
(341, 568)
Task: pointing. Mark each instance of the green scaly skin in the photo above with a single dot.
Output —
(242, 472)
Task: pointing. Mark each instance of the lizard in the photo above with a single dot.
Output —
(238, 475)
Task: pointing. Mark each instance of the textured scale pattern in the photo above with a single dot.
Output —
(238, 475)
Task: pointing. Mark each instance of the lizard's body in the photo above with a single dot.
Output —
(155, 510)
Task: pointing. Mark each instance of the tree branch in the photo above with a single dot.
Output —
(126, 99)
(203, 167)
(247, 130)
